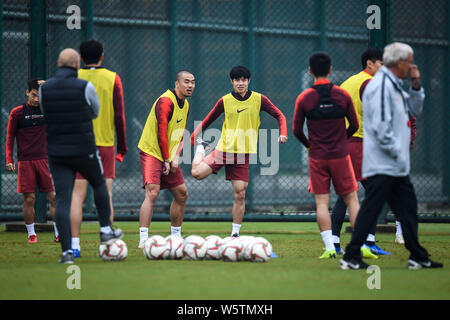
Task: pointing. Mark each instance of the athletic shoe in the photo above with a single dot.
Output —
(56, 239)
(67, 258)
(352, 264)
(205, 145)
(416, 265)
(340, 251)
(32, 239)
(235, 235)
(142, 243)
(328, 254)
(76, 253)
(366, 253)
(399, 239)
(109, 238)
(378, 251)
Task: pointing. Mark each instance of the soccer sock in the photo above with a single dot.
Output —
(143, 233)
(30, 229)
(106, 229)
(327, 238)
(370, 241)
(76, 243)
(236, 228)
(175, 231)
(398, 226)
(336, 241)
(56, 229)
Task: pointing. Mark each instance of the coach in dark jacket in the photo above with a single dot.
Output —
(69, 105)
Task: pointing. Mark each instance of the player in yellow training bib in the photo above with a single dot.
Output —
(239, 138)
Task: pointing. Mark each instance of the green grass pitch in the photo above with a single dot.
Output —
(32, 272)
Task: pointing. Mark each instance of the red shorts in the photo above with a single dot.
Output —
(339, 170)
(108, 163)
(152, 173)
(32, 173)
(356, 155)
(236, 165)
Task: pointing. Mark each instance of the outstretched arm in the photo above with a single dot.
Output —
(271, 109)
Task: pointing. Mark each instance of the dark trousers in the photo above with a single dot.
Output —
(338, 215)
(63, 172)
(399, 193)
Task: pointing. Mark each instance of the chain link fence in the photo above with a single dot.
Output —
(147, 42)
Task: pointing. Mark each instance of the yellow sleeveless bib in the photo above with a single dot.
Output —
(352, 86)
(149, 138)
(241, 124)
(103, 81)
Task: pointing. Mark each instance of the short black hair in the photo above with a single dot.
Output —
(240, 72)
(372, 54)
(320, 64)
(180, 73)
(91, 51)
(33, 84)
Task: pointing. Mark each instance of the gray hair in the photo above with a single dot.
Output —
(394, 51)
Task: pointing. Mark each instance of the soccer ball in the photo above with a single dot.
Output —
(225, 240)
(175, 245)
(194, 248)
(156, 248)
(259, 250)
(245, 241)
(230, 250)
(212, 244)
(114, 252)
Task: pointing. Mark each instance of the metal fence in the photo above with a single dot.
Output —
(147, 42)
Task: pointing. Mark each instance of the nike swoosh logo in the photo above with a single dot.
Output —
(239, 111)
(179, 120)
(426, 264)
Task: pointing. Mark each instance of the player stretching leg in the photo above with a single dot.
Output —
(242, 109)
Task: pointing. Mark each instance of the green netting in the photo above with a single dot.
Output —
(146, 42)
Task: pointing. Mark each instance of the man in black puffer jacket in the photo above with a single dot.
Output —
(69, 104)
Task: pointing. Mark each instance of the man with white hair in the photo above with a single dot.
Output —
(386, 162)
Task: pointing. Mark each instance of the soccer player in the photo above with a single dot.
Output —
(108, 86)
(386, 158)
(371, 61)
(160, 145)
(69, 105)
(326, 106)
(26, 127)
(242, 108)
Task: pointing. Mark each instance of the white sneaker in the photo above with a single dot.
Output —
(399, 239)
(142, 243)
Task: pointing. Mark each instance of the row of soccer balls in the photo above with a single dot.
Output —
(244, 248)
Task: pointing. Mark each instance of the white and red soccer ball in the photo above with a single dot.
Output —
(156, 248)
(116, 251)
(258, 250)
(194, 248)
(175, 246)
(230, 250)
(213, 244)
